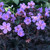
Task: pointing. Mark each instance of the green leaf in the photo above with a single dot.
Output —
(47, 4)
(6, 9)
(5, 1)
(18, 21)
(40, 0)
(16, 1)
(21, 0)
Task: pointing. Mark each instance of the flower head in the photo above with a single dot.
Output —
(1, 4)
(13, 18)
(35, 18)
(23, 6)
(31, 4)
(21, 12)
(40, 10)
(5, 16)
(39, 15)
(5, 27)
(9, 12)
(30, 13)
(47, 13)
(27, 20)
(41, 25)
(18, 28)
(2, 10)
(21, 33)
(46, 9)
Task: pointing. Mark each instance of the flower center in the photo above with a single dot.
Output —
(0, 10)
(0, 16)
(0, 5)
(17, 29)
(40, 24)
(31, 5)
(35, 18)
(20, 33)
(6, 16)
(27, 20)
(5, 27)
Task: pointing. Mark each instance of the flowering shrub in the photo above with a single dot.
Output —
(28, 26)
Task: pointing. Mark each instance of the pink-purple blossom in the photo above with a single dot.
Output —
(23, 6)
(31, 4)
(27, 20)
(40, 15)
(35, 18)
(1, 4)
(20, 11)
(30, 13)
(21, 33)
(41, 25)
(46, 9)
(47, 13)
(40, 10)
(5, 16)
(5, 27)
(13, 18)
(2, 10)
(9, 12)
(18, 28)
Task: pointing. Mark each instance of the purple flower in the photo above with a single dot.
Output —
(39, 15)
(18, 28)
(31, 4)
(5, 27)
(2, 10)
(27, 20)
(30, 13)
(13, 18)
(9, 12)
(47, 13)
(21, 12)
(46, 9)
(0, 14)
(21, 33)
(41, 25)
(23, 6)
(1, 4)
(35, 18)
(5, 16)
(40, 9)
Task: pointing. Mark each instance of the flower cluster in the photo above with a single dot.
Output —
(26, 16)
(30, 14)
(19, 30)
(6, 19)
